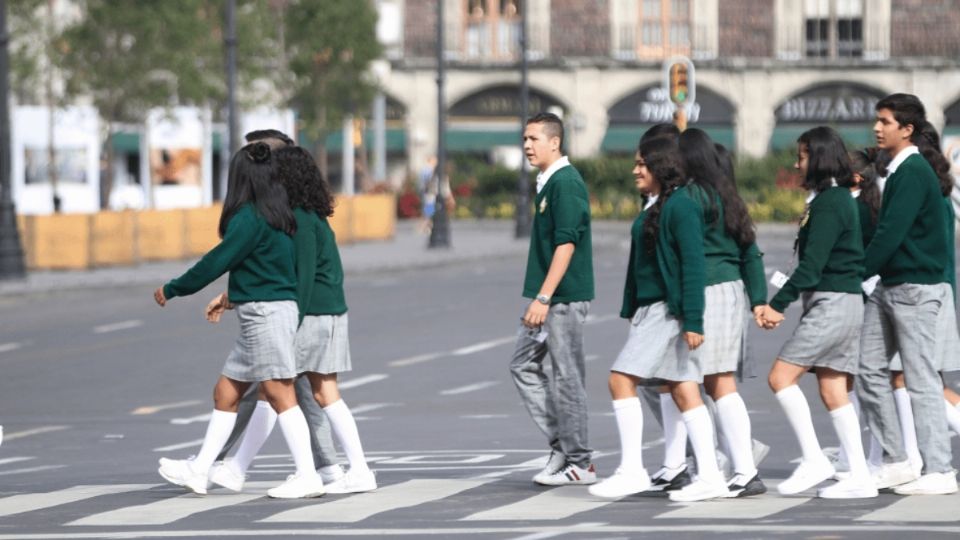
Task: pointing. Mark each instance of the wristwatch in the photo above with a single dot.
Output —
(543, 299)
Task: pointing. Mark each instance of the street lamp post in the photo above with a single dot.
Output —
(11, 254)
(230, 41)
(440, 232)
(522, 229)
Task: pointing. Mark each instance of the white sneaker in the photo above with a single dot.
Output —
(760, 452)
(853, 487)
(930, 484)
(621, 484)
(894, 474)
(805, 476)
(354, 481)
(700, 490)
(179, 472)
(916, 465)
(224, 474)
(555, 461)
(330, 473)
(570, 474)
(298, 487)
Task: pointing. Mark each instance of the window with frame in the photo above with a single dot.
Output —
(492, 29)
(664, 28)
(833, 28)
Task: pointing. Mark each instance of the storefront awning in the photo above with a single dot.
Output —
(854, 136)
(623, 139)
(127, 142)
(476, 140)
(396, 140)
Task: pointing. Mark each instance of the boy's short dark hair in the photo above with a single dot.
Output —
(262, 134)
(907, 109)
(552, 124)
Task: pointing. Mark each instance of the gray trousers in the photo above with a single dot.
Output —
(558, 402)
(321, 440)
(904, 318)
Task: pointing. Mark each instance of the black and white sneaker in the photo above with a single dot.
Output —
(666, 479)
(740, 486)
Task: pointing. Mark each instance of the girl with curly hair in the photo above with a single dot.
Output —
(257, 228)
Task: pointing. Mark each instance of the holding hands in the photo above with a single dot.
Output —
(216, 307)
(766, 317)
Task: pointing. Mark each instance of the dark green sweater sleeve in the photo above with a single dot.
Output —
(571, 212)
(305, 242)
(893, 225)
(753, 275)
(238, 242)
(629, 304)
(825, 229)
(688, 234)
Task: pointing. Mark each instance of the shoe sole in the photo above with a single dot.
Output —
(705, 497)
(891, 485)
(850, 495)
(926, 492)
(225, 486)
(346, 491)
(571, 483)
(811, 485)
(307, 496)
(171, 479)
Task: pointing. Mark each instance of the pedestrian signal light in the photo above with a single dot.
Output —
(679, 90)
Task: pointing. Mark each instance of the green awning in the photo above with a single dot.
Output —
(475, 140)
(396, 140)
(129, 143)
(854, 136)
(623, 139)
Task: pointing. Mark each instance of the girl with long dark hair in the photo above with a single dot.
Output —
(256, 226)
(665, 307)
(827, 278)
(735, 285)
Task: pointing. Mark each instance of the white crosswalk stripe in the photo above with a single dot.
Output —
(353, 509)
(746, 508)
(29, 502)
(557, 503)
(919, 508)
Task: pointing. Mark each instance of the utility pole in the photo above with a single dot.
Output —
(440, 233)
(11, 254)
(522, 229)
(230, 41)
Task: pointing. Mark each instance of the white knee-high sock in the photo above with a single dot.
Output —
(848, 431)
(700, 430)
(674, 433)
(297, 434)
(842, 461)
(258, 430)
(953, 416)
(218, 431)
(875, 457)
(798, 414)
(905, 412)
(344, 425)
(735, 425)
(855, 401)
(629, 417)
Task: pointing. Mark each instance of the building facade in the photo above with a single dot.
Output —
(765, 69)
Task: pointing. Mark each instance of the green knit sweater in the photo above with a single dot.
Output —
(319, 271)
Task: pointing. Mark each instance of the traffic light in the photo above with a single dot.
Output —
(679, 91)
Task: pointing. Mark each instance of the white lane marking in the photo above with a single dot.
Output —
(534, 464)
(367, 407)
(15, 459)
(190, 419)
(484, 416)
(151, 409)
(7, 347)
(32, 469)
(360, 381)
(558, 503)
(29, 502)
(543, 535)
(113, 327)
(746, 508)
(354, 509)
(179, 446)
(938, 509)
(167, 511)
(483, 345)
(448, 459)
(35, 431)
(420, 358)
(468, 388)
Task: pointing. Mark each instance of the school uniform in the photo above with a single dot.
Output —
(828, 281)
(909, 250)
(558, 406)
(263, 286)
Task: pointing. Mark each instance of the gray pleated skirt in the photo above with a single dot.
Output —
(725, 331)
(264, 348)
(828, 335)
(322, 344)
(655, 348)
(947, 346)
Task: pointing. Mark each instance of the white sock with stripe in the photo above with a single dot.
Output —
(218, 431)
(797, 410)
(848, 431)
(629, 417)
(735, 424)
(345, 426)
(700, 430)
(907, 428)
(257, 432)
(674, 433)
(297, 434)
(953, 416)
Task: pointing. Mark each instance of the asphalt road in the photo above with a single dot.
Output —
(97, 384)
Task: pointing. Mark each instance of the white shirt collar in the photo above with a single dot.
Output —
(813, 194)
(554, 167)
(651, 200)
(855, 194)
(900, 158)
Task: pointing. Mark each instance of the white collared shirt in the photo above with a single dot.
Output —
(895, 164)
(544, 176)
(813, 193)
(651, 200)
(855, 194)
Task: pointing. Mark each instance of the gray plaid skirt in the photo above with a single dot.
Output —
(725, 331)
(264, 348)
(322, 344)
(828, 335)
(947, 347)
(655, 350)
